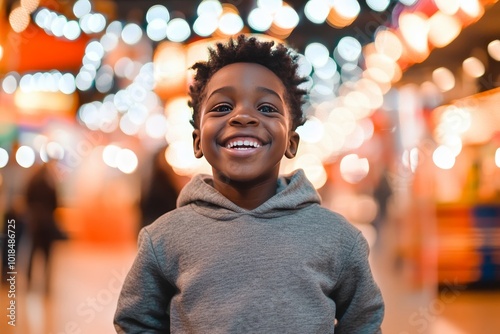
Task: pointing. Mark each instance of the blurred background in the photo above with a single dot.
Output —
(402, 138)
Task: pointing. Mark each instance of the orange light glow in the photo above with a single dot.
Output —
(170, 69)
(34, 50)
(19, 19)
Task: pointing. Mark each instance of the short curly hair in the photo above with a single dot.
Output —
(281, 60)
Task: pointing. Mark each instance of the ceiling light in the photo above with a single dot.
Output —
(473, 67)
(443, 78)
(494, 49)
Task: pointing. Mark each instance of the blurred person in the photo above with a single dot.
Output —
(160, 194)
(41, 202)
(247, 250)
(382, 161)
(382, 193)
(12, 182)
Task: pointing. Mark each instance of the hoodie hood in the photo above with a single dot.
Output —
(293, 192)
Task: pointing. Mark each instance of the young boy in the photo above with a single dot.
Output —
(247, 251)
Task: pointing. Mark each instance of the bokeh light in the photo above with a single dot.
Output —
(25, 156)
(109, 154)
(443, 29)
(178, 30)
(317, 10)
(230, 23)
(132, 33)
(473, 67)
(260, 19)
(443, 157)
(353, 168)
(494, 49)
(443, 78)
(19, 19)
(4, 157)
(126, 161)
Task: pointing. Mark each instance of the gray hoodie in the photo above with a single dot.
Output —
(288, 266)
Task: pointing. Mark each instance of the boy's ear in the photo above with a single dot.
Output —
(293, 145)
(198, 153)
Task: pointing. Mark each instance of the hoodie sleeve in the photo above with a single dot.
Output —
(145, 296)
(360, 307)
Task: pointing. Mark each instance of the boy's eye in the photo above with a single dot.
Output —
(222, 108)
(267, 109)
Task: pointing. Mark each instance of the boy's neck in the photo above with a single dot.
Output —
(248, 195)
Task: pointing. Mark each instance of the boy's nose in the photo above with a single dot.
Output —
(243, 119)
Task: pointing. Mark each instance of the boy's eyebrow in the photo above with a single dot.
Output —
(269, 91)
(259, 88)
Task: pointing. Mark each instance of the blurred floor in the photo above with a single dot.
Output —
(416, 307)
(87, 279)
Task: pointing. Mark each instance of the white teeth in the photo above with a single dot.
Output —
(240, 144)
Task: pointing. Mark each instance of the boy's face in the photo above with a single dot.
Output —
(245, 125)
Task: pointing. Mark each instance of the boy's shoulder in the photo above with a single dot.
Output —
(177, 215)
(332, 220)
(314, 214)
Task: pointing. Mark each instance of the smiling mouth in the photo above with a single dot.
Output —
(243, 143)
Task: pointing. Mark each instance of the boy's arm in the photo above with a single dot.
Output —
(145, 296)
(360, 307)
